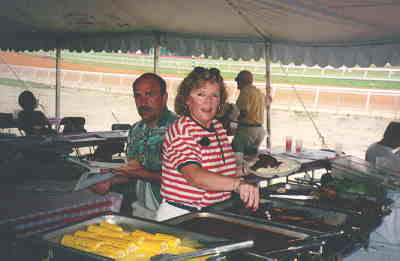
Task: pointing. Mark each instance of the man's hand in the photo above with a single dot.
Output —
(124, 171)
(128, 170)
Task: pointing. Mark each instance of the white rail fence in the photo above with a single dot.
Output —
(373, 102)
(185, 64)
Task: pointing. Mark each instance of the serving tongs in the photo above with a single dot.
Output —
(318, 241)
(310, 245)
(204, 252)
(321, 237)
(288, 196)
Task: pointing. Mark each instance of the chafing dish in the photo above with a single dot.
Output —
(55, 251)
(340, 210)
(271, 241)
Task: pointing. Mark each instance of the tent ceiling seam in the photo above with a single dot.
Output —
(247, 20)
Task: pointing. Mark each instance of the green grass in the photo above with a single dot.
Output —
(229, 69)
(364, 84)
(18, 83)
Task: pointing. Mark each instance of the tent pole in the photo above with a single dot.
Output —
(58, 81)
(157, 47)
(267, 57)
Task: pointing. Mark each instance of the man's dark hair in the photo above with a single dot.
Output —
(161, 81)
(27, 100)
(392, 133)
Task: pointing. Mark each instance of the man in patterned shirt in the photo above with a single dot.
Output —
(144, 146)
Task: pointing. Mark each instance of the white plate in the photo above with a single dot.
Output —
(287, 167)
(314, 154)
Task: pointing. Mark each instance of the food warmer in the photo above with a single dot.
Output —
(315, 220)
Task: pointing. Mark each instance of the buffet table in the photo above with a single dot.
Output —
(309, 161)
(296, 220)
(90, 139)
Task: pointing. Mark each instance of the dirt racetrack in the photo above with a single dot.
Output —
(49, 62)
(355, 132)
(283, 98)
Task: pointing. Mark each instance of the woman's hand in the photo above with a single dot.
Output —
(249, 194)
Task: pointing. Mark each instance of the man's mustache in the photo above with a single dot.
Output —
(144, 108)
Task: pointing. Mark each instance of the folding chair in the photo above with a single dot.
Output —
(7, 123)
(73, 125)
(106, 151)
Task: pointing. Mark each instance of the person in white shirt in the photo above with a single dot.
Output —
(385, 148)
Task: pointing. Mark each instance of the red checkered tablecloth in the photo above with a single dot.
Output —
(30, 212)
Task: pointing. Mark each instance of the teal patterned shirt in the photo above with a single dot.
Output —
(144, 145)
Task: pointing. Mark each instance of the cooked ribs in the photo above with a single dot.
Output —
(265, 161)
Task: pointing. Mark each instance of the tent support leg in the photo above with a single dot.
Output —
(267, 54)
(157, 47)
(58, 81)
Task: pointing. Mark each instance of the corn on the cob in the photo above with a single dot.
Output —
(110, 251)
(107, 232)
(68, 240)
(171, 240)
(87, 243)
(128, 245)
(154, 245)
(81, 233)
(110, 226)
(137, 240)
(141, 233)
(110, 240)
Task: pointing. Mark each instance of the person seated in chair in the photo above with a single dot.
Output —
(30, 120)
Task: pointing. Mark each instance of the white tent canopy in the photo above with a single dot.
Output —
(322, 32)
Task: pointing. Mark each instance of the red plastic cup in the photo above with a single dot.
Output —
(299, 145)
(289, 142)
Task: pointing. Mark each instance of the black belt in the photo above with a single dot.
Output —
(182, 206)
(250, 125)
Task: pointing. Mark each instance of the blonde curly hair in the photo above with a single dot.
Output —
(194, 80)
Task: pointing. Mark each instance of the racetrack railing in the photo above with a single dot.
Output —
(373, 102)
(185, 64)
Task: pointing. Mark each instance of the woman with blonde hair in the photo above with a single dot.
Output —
(198, 163)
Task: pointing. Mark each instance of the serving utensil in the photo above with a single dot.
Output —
(299, 197)
(204, 252)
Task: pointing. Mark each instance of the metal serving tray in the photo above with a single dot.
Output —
(290, 214)
(272, 242)
(360, 170)
(60, 252)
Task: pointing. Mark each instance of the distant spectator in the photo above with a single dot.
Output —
(228, 117)
(251, 103)
(385, 148)
(31, 121)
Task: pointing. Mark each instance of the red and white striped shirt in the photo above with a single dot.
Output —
(182, 146)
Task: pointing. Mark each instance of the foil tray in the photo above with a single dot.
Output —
(290, 214)
(192, 239)
(269, 239)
